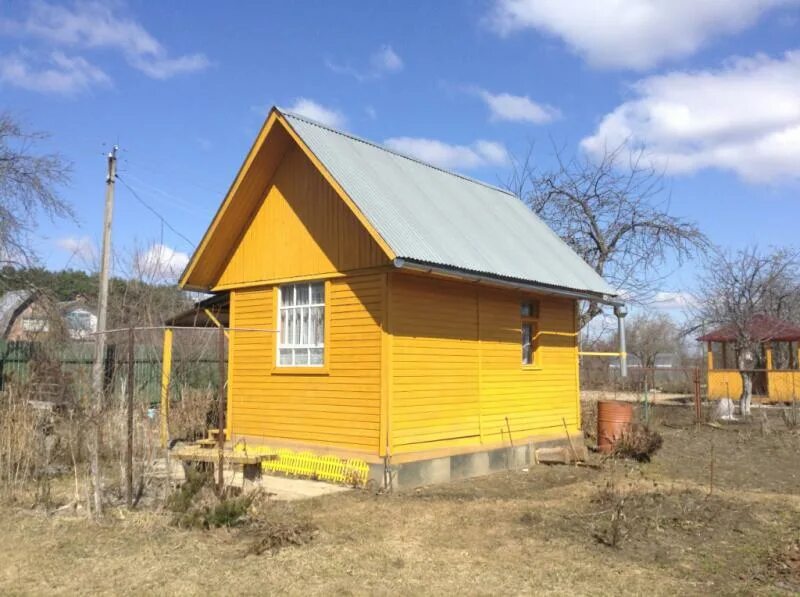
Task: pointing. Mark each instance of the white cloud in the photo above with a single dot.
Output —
(744, 117)
(59, 74)
(454, 157)
(381, 62)
(632, 33)
(386, 60)
(160, 263)
(166, 68)
(93, 24)
(81, 247)
(311, 109)
(517, 108)
(669, 300)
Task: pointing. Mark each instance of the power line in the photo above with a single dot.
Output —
(192, 180)
(154, 212)
(149, 188)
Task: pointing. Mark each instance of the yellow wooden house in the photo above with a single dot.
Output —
(386, 309)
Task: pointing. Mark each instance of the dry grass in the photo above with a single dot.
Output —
(40, 442)
(511, 533)
(785, 566)
(20, 443)
(36, 445)
(188, 417)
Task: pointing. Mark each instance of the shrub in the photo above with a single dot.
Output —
(229, 512)
(181, 500)
(639, 444)
(195, 505)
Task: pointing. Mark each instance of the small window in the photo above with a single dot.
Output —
(33, 324)
(527, 343)
(301, 325)
(529, 314)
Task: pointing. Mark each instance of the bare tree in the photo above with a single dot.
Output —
(614, 212)
(28, 183)
(650, 335)
(735, 287)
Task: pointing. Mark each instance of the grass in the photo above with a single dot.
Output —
(536, 532)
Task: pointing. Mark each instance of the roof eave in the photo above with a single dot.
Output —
(479, 278)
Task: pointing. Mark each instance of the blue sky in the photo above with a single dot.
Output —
(711, 88)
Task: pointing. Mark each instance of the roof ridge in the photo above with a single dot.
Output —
(313, 122)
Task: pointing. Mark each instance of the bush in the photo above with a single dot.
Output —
(639, 444)
(196, 506)
(181, 500)
(229, 512)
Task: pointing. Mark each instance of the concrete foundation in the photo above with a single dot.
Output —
(461, 466)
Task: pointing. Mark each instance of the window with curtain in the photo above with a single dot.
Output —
(301, 325)
(529, 312)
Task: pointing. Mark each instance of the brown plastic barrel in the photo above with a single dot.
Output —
(613, 418)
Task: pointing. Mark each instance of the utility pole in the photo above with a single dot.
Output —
(100, 338)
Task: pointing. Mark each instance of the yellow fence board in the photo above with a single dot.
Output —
(350, 471)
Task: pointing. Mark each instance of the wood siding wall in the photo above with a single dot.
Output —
(456, 371)
(302, 228)
(337, 407)
(782, 385)
(724, 383)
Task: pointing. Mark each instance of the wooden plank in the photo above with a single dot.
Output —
(201, 454)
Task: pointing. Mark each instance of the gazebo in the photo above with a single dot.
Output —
(776, 375)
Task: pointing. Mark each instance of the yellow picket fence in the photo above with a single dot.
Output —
(351, 471)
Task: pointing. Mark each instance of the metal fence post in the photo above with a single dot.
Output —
(221, 411)
(129, 420)
(698, 414)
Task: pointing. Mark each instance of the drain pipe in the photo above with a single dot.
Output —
(620, 311)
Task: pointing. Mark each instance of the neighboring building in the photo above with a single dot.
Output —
(384, 308)
(662, 361)
(17, 314)
(26, 315)
(776, 376)
(80, 320)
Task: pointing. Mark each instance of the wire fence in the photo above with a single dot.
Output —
(64, 373)
(600, 374)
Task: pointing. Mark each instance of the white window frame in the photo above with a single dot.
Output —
(302, 348)
(36, 325)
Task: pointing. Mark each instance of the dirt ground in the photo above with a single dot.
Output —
(659, 528)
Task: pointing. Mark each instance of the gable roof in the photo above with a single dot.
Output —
(762, 328)
(12, 304)
(427, 215)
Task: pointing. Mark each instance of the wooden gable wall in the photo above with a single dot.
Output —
(302, 228)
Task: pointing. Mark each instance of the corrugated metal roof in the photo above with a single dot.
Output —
(430, 215)
(761, 328)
